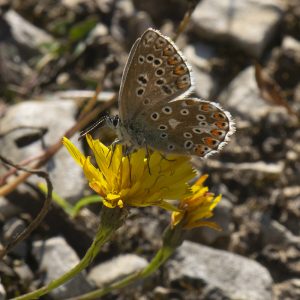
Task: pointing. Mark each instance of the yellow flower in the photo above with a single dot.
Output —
(195, 206)
(134, 180)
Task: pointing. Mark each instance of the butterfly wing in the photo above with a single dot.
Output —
(187, 126)
(155, 72)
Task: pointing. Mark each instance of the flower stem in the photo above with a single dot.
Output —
(172, 239)
(111, 220)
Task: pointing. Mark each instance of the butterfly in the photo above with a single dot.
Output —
(154, 110)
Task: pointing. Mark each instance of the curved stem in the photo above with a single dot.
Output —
(111, 220)
(172, 239)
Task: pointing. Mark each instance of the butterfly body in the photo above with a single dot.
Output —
(154, 110)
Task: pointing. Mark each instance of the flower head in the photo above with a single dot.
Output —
(134, 180)
(195, 206)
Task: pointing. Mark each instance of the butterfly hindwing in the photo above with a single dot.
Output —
(187, 126)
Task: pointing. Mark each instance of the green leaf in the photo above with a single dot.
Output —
(80, 30)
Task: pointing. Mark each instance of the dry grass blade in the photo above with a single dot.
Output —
(186, 19)
(39, 218)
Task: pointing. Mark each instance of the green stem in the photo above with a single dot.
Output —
(172, 239)
(111, 220)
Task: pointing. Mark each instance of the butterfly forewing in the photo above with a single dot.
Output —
(156, 72)
(187, 126)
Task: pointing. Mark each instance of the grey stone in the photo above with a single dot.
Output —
(259, 168)
(248, 24)
(287, 290)
(116, 268)
(242, 98)
(233, 276)
(11, 229)
(57, 117)
(24, 272)
(7, 209)
(25, 33)
(56, 257)
(274, 233)
(2, 292)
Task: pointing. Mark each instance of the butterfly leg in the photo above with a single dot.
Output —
(113, 148)
(127, 153)
(163, 156)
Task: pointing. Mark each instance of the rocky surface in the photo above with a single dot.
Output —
(115, 269)
(213, 271)
(52, 56)
(54, 258)
(249, 24)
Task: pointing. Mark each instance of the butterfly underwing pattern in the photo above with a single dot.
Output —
(154, 110)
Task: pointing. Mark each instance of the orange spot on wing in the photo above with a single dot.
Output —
(205, 107)
(221, 125)
(210, 142)
(216, 132)
(218, 116)
(199, 150)
(173, 60)
(180, 70)
(182, 85)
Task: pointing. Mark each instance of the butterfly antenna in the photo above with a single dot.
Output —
(95, 125)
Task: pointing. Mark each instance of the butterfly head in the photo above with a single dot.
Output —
(113, 121)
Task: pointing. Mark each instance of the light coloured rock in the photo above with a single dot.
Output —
(55, 257)
(265, 169)
(287, 290)
(25, 33)
(242, 98)
(248, 24)
(233, 276)
(2, 292)
(57, 117)
(116, 268)
(8, 209)
(274, 233)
